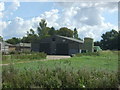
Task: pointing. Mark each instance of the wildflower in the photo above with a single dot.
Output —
(83, 86)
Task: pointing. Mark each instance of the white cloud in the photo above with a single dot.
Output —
(13, 7)
(95, 31)
(16, 28)
(1, 9)
(2, 27)
(5, 13)
(51, 17)
(2, 6)
(86, 17)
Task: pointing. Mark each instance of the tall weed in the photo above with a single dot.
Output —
(58, 78)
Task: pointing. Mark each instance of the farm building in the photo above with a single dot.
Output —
(61, 45)
(23, 47)
(6, 47)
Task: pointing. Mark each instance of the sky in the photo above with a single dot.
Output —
(91, 19)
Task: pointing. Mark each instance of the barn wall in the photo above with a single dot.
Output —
(57, 45)
(35, 47)
(74, 48)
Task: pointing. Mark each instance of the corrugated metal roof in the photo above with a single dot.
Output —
(72, 39)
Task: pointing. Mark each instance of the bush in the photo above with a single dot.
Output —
(31, 56)
(58, 78)
(12, 52)
(88, 54)
(6, 57)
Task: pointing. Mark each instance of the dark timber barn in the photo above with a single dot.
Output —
(59, 45)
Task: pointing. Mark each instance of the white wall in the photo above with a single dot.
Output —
(4, 48)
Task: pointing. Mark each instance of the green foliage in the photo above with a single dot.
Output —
(1, 38)
(31, 36)
(52, 31)
(13, 40)
(118, 40)
(75, 34)
(24, 56)
(109, 40)
(107, 60)
(88, 54)
(43, 29)
(97, 43)
(6, 57)
(64, 31)
(74, 72)
(58, 78)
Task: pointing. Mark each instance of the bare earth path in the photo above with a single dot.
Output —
(49, 57)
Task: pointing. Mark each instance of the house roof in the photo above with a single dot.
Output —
(72, 39)
(6, 44)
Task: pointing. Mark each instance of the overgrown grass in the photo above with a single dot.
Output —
(23, 57)
(58, 78)
(108, 62)
(89, 71)
(88, 54)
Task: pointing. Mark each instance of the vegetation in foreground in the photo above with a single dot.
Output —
(69, 73)
(105, 60)
(12, 58)
(58, 78)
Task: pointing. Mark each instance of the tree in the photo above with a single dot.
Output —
(97, 43)
(119, 40)
(52, 31)
(13, 40)
(42, 29)
(75, 34)
(31, 36)
(1, 38)
(110, 40)
(64, 31)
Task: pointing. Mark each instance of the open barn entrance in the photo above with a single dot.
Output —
(62, 49)
(45, 47)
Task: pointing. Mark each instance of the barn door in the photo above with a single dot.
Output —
(44, 47)
(62, 49)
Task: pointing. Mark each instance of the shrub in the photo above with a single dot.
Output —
(12, 52)
(88, 54)
(31, 56)
(58, 78)
(6, 57)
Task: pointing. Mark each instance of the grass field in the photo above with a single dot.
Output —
(104, 67)
(14, 58)
(106, 61)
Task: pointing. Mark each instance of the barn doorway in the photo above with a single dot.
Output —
(62, 49)
(44, 47)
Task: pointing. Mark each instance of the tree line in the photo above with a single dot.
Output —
(109, 39)
(42, 32)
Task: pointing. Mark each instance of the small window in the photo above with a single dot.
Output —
(53, 39)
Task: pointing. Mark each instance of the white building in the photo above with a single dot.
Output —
(4, 47)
